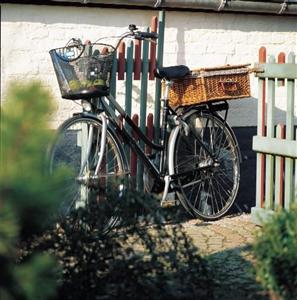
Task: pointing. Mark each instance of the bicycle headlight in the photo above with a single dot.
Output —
(86, 105)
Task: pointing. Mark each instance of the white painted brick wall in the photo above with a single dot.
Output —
(28, 32)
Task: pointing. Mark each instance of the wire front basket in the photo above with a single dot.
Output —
(83, 71)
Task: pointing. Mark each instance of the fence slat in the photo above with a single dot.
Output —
(261, 132)
(143, 92)
(289, 184)
(270, 133)
(275, 146)
(150, 131)
(153, 63)
(281, 59)
(281, 71)
(113, 81)
(279, 171)
(82, 141)
(121, 61)
(137, 60)
(133, 162)
(161, 25)
(143, 103)
(129, 78)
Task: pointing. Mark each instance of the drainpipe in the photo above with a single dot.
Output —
(281, 7)
(275, 7)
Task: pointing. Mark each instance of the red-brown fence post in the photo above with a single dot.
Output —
(137, 60)
(122, 61)
(153, 50)
(261, 126)
(281, 59)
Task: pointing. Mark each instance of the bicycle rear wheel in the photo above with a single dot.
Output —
(208, 185)
(77, 147)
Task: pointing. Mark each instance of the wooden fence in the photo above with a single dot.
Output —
(137, 61)
(275, 144)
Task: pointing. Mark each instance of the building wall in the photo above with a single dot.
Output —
(196, 39)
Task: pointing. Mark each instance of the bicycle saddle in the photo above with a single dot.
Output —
(175, 72)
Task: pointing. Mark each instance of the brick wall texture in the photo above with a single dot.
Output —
(195, 39)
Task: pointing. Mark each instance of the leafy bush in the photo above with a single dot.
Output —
(27, 197)
(276, 254)
(24, 182)
(144, 257)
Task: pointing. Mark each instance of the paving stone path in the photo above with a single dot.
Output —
(227, 245)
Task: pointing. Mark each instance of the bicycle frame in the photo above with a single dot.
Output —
(158, 174)
(132, 143)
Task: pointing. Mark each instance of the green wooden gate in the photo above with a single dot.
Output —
(275, 144)
(137, 61)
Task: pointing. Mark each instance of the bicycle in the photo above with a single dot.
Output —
(199, 160)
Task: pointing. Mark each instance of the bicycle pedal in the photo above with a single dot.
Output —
(170, 201)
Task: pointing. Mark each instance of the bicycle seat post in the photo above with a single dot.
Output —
(165, 112)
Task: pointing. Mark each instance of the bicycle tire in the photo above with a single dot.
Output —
(68, 151)
(207, 193)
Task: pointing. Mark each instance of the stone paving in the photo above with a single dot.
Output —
(226, 243)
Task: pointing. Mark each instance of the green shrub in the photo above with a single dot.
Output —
(24, 182)
(276, 254)
(144, 257)
(28, 196)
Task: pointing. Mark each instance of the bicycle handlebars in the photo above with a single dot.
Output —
(140, 35)
(133, 33)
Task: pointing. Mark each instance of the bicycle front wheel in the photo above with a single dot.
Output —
(77, 147)
(206, 156)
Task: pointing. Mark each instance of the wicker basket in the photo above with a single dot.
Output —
(211, 84)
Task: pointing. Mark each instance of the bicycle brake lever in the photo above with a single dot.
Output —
(132, 27)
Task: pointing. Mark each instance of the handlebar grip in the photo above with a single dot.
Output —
(146, 35)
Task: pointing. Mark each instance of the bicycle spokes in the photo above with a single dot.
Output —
(207, 166)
